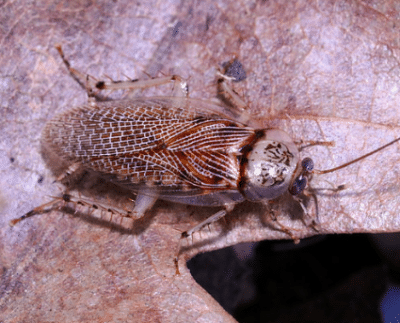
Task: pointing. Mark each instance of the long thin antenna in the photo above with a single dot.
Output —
(357, 159)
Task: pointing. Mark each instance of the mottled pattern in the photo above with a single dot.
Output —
(150, 141)
(274, 165)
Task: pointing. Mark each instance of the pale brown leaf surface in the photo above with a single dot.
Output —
(321, 72)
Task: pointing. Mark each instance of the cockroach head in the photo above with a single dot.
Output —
(273, 167)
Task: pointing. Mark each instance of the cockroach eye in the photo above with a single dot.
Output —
(307, 164)
(298, 185)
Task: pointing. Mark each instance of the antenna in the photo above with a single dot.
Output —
(357, 159)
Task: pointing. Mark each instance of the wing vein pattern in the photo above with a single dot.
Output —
(153, 142)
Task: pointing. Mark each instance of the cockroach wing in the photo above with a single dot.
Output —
(174, 146)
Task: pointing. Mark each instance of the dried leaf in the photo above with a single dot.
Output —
(325, 72)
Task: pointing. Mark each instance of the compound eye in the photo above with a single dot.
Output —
(307, 164)
(298, 186)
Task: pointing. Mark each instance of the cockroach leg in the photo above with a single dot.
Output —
(213, 218)
(47, 207)
(227, 91)
(229, 95)
(59, 202)
(143, 203)
(189, 233)
(91, 85)
(302, 144)
(71, 170)
(274, 224)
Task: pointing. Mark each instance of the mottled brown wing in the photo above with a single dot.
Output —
(152, 141)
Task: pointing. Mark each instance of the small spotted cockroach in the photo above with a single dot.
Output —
(176, 149)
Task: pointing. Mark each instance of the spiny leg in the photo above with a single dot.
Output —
(38, 210)
(236, 103)
(276, 225)
(211, 219)
(198, 227)
(59, 202)
(90, 84)
(313, 224)
(303, 144)
(231, 96)
(180, 86)
(232, 71)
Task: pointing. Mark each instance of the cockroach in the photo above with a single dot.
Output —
(176, 149)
